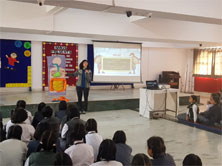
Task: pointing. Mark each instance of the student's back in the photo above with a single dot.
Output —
(13, 150)
(42, 158)
(123, 153)
(163, 159)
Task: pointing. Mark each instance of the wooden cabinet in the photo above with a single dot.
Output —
(170, 77)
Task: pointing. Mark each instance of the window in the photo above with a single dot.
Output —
(208, 62)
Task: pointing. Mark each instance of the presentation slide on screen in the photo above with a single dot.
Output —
(117, 62)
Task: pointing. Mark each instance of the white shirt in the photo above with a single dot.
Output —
(107, 163)
(29, 118)
(12, 152)
(81, 154)
(194, 108)
(27, 131)
(64, 130)
(94, 139)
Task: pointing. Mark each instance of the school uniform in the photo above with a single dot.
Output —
(192, 112)
(123, 153)
(214, 115)
(107, 163)
(27, 131)
(60, 114)
(80, 153)
(94, 139)
(38, 117)
(12, 152)
(41, 158)
(163, 159)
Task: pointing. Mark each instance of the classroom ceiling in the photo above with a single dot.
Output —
(111, 7)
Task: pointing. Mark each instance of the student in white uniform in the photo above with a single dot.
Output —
(92, 136)
(13, 150)
(107, 154)
(22, 104)
(193, 109)
(80, 153)
(18, 117)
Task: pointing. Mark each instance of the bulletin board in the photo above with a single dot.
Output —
(69, 50)
(15, 63)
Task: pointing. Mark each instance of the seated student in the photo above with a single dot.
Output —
(22, 104)
(67, 117)
(62, 159)
(46, 153)
(157, 150)
(9, 123)
(141, 159)
(13, 150)
(34, 144)
(107, 154)
(92, 137)
(2, 131)
(193, 109)
(62, 110)
(53, 122)
(68, 127)
(192, 160)
(214, 115)
(80, 153)
(123, 151)
(38, 115)
(18, 118)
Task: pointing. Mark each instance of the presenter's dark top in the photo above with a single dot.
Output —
(163, 159)
(84, 78)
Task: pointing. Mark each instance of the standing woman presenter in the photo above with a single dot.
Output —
(84, 75)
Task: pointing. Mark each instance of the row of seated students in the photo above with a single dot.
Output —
(68, 140)
(212, 116)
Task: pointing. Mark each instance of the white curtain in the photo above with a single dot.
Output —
(187, 80)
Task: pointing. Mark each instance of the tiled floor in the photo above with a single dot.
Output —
(180, 139)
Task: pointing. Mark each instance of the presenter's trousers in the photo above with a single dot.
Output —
(82, 91)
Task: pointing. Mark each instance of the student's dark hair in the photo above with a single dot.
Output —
(62, 105)
(41, 127)
(81, 65)
(91, 125)
(41, 106)
(15, 132)
(192, 160)
(141, 159)
(48, 140)
(73, 111)
(78, 132)
(19, 115)
(119, 137)
(47, 111)
(194, 97)
(21, 104)
(216, 97)
(156, 144)
(62, 159)
(107, 150)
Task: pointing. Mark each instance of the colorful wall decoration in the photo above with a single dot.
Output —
(56, 75)
(15, 63)
(68, 50)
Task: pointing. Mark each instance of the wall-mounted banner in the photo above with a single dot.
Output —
(15, 63)
(69, 50)
(56, 75)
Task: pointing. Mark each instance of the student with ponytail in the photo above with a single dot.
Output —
(46, 153)
(80, 153)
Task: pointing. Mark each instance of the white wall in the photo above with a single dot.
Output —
(36, 65)
(156, 60)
